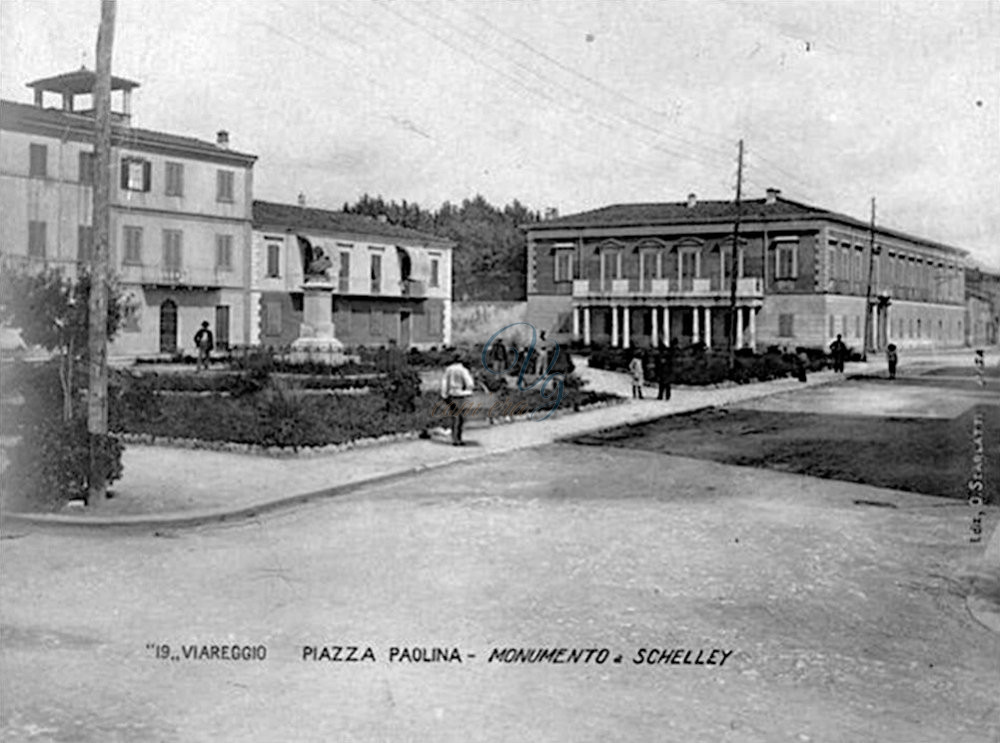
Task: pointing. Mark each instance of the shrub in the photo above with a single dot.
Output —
(50, 462)
(400, 388)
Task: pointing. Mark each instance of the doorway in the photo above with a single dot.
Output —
(222, 327)
(168, 327)
(404, 329)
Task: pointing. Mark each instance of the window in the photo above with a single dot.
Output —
(375, 321)
(785, 325)
(224, 185)
(38, 166)
(858, 274)
(564, 265)
(36, 239)
(172, 247)
(689, 265)
(84, 243)
(786, 260)
(133, 245)
(833, 325)
(273, 260)
(435, 272)
(224, 252)
(344, 276)
(831, 263)
(857, 326)
(376, 273)
(175, 179)
(272, 318)
(136, 174)
(86, 167)
(435, 322)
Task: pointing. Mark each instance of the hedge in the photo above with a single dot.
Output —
(696, 365)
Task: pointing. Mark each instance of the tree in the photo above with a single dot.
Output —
(52, 312)
(489, 256)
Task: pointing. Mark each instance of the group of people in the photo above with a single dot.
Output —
(663, 371)
(458, 383)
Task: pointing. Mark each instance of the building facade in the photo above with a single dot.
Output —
(639, 274)
(982, 305)
(390, 283)
(180, 230)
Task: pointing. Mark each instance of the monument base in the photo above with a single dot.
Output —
(322, 350)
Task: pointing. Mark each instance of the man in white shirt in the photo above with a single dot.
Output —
(456, 384)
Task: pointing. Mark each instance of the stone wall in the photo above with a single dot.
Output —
(474, 322)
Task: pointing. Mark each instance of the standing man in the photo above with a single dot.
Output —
(456, 385)
(664, 368)
(543, 355)
(838, 349)
(205, 342)
(498, 356)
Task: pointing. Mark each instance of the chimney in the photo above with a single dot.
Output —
(302, 199)
(692, 200)
(222, 138)
(772, 196)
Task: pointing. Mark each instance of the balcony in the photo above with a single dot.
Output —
(751, 286)
(412, 289)
(179, 276)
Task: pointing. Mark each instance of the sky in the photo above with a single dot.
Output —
(571, 104)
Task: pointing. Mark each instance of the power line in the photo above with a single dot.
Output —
(591, 80)
(530, 89)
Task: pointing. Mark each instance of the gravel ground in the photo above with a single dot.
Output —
(845, 621)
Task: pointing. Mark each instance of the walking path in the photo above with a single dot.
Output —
(164, 486)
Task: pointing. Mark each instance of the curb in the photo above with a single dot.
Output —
(125, 523)
(195, 519)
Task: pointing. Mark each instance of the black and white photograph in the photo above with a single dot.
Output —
(500, 370)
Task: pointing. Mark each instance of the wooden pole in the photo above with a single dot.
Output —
(97, 397)
(868, 343)
(735, 263)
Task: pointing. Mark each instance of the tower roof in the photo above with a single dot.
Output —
(79, 82)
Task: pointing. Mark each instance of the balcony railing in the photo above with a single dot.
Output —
(169, 275)
(650, 287)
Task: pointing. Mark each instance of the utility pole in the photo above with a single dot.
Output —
(735, 263)
(868, 341)
(97, 391)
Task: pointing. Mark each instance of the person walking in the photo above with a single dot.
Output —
(663, 367)
(456, 385)
(838, 350)
(635, 369)
(892, 358)
(205, 342)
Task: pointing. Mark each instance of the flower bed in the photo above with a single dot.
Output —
(280, 416)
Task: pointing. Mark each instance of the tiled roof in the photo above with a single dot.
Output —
(681, 213)
(268, 214)
(69, 125)
(707, 212)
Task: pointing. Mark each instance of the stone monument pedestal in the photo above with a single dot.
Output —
(316, 341)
